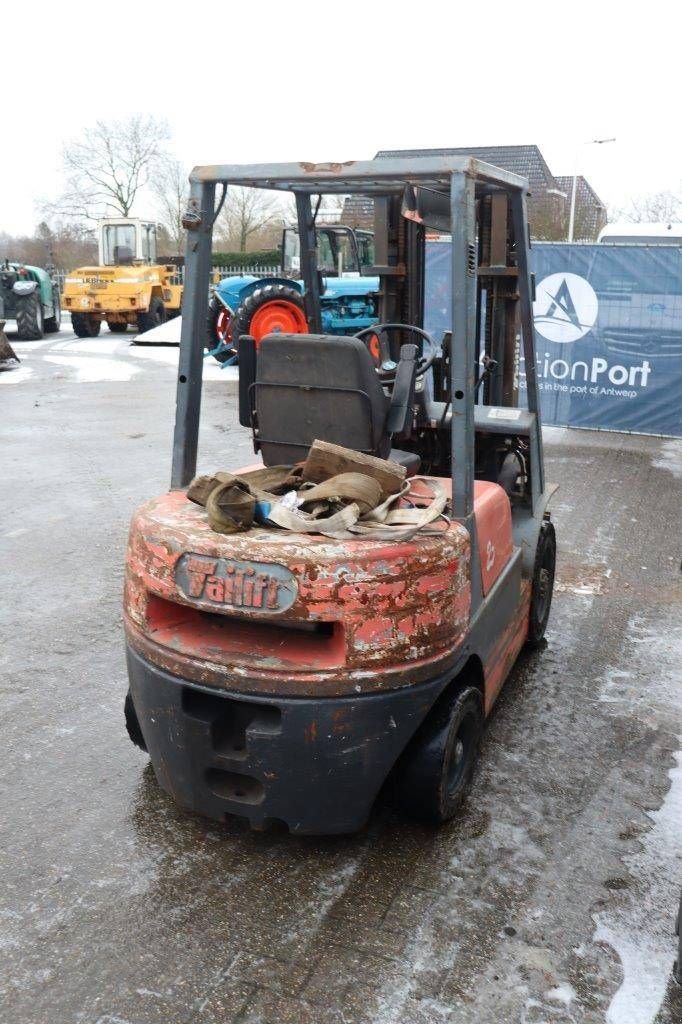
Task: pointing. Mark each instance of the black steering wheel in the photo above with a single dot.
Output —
(384, 363)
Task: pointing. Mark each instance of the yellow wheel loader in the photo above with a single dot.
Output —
(127, 287)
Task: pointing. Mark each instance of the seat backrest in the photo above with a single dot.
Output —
(317, 387)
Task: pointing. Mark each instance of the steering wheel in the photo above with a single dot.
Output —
(385, 365)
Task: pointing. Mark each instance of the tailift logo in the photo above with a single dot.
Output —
(232, 583)
(565, 310)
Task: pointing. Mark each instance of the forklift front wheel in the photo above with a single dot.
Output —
(543, 584)
(132, 723)
(435, 774)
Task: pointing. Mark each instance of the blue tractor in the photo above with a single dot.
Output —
(263, 305)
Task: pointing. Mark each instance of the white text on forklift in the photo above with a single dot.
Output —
(582, 378)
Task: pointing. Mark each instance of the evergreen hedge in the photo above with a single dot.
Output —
(260, 258)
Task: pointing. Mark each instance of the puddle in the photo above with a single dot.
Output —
(584, 580)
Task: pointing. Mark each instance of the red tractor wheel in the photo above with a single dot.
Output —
(223, 326)
(219, 330)
(374, 350)
(271, 309)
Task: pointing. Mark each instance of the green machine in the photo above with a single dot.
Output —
(30, 296)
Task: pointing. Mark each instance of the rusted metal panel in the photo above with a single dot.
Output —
(498, 231)
(358, 615)
(367, 176)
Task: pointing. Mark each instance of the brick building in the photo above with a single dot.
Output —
(549, 203)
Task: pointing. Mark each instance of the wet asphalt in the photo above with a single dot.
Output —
(550, 899)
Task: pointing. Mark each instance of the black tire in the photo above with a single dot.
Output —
(117, 328)
(434, 774)
(543, 584)
(132, 723)
(53, 323)
(85, 326)
(30, 325)
(154, 317)
(244, 313)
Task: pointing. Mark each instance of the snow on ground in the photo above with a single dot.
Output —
(16, 376)
(169, 356)
(89, 371)
(108, 357)
(102, 345)
(640, 927)
(671, 457)
(640, 933)
(164, 334)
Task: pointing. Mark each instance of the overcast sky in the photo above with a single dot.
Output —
(268, 81)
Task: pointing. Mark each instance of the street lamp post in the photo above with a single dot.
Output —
(571, 216)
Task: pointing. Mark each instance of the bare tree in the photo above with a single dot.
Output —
(106, 171)
(246, 212)
(63, 245)
(170, 186)
(655, 207)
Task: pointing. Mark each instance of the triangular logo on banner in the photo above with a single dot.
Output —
(562, 303)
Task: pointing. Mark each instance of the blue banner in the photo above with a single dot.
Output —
(608, 322)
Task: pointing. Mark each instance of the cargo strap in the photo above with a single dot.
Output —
(385, 522)
(277, 495)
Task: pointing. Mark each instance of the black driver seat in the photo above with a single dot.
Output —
(320, 387)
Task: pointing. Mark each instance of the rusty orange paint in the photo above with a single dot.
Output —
(361, 589)
(390, 615)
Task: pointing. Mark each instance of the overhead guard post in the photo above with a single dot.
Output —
(199, 224)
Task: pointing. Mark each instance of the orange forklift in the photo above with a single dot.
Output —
(286, 678)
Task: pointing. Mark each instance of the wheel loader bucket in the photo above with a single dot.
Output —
(8, 358)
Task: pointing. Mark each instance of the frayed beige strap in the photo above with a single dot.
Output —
(382, 523)
(299, 521)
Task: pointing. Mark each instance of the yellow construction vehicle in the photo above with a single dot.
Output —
(127, 287)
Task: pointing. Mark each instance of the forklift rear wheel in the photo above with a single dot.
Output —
(85, 326)
(132, 723)
(275, 307)
(117, 328)
(154, 317)
(543, 584)
(437, 767)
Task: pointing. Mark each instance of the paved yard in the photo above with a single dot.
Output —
(552, 897)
